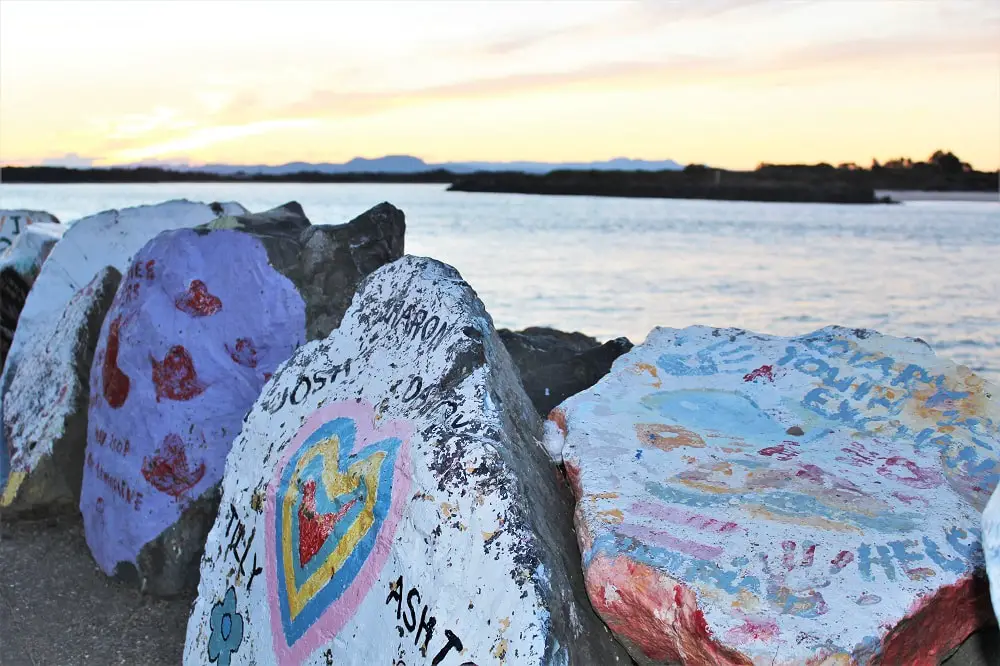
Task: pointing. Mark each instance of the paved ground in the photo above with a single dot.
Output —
(58, 609)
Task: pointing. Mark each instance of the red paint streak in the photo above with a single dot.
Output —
(938, 623)
(921, 478)
(315, 527)
(809, 556)
(573, 476)
(680, 517)
(780, 452)
(858, 455)
(169, 471)
(655, 613)
(763, 372)
(558, 416)
(244, 353)
(842, 559)
(197, 301)
(665, 540)
(175, 377)
(267, 376)
(753, 630)
(116, 382)
(788, 558)
(910, 499)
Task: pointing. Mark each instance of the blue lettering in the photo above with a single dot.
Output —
(946, 563)
(884, 558)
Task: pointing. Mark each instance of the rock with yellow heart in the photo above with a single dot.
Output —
(388, 501)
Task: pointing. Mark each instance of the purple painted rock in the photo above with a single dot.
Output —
(105, 239)
(387, 502)
(198, 325)
(45, 421)
(746, 499)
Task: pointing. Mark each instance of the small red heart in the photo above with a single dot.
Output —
(197, 301)
(175, 377)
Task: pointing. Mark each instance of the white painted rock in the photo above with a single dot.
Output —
(45, 422)
(15, 222)
(105, 239)
(19, 266)
(747, 499)
(387, 502)
(991, 546)
(200, 323)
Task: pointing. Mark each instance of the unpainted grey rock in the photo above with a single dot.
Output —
(388, 501)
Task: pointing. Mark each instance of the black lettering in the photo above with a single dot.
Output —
(429, 626)
(453, 642)
(436, 339)
(424, 334)
(411, 623)
(284, 396)
(418, 320)
(398, 315)
(319, 379)
(302, 378)
(254, 571)
(396, 592)
(416, 384)
(233, 517)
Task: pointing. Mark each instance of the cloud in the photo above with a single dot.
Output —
(71, 160)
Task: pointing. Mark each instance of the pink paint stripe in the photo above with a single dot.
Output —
(660, 538)
(686, 518)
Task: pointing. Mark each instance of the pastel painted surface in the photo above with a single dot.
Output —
(167, 391)
(811, 492)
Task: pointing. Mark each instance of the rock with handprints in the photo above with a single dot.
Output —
(555, 365)
(202, 319)
(19, 266)
(388, 502)
(45, 420)
(105, 239)
(750, 499)
(16, 222)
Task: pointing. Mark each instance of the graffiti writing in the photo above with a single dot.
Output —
(306, 384)
(120, 446)
(424, 627)
(117, 485)
(413, 322)
(239, 547)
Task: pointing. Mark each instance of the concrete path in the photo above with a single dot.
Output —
(58, 609)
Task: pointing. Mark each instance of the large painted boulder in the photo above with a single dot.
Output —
(748, 499)
(45, 422)
(200, 322)
(388, 502)
(19, 266)
(105, 239)
(15, 222)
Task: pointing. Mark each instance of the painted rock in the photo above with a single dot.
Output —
(19, 266)
(387, 502)
(747, 499)
(45, 421)
(991, 546)
(106, 239)
(198, 325)
(15, 222)
(555, 365)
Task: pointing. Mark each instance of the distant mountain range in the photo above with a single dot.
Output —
(410, 164)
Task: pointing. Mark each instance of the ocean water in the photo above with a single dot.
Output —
(611, 267)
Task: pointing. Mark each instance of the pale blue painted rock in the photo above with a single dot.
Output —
(105, 239)
(387, 502)
(200, 321)
(749, 499)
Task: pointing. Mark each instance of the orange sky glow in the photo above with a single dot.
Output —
(730, 83)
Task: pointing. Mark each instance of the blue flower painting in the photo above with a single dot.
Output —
(227, 630)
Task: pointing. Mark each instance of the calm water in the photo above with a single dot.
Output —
(613, 267)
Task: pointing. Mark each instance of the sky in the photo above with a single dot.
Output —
(730, 83)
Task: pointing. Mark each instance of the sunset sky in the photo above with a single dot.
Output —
(728, 83)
